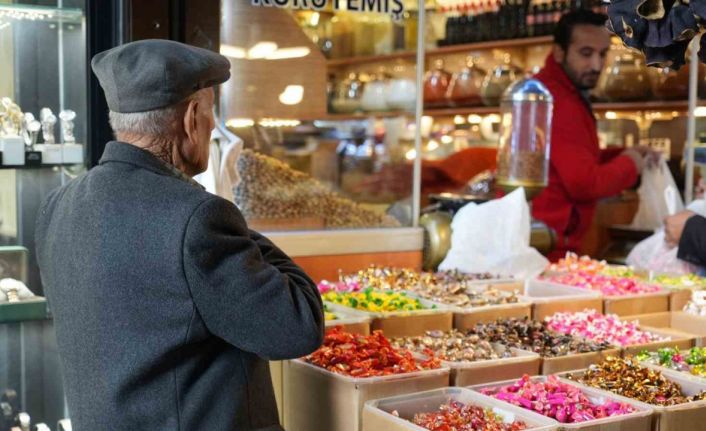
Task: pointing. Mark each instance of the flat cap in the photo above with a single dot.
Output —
(156, 73)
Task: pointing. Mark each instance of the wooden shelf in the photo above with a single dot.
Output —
(453, 49)
(671, 105)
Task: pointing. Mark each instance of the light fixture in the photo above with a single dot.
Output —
(276, 122)
(240, 123)
(411, 154)
(232, 51)
(292, 95)
(262, 50)
(446, 139)
(475, 119)
(315, 19)
(700, 111)
(611, 115)
(459, 119)
(494, 118)
(285, 53)
(432, 145)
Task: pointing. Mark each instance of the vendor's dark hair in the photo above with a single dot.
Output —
(565, 28)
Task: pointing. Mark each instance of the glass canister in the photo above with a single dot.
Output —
(348, 94)
(466, 85)
(436, 84)
(497, 81)
(525, 134)
(625, 77)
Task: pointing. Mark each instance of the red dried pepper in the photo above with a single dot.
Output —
(366, 355)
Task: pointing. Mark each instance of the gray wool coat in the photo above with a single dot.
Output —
(166, 306)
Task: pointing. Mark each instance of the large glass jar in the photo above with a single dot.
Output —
(436, 84)
(348, 95)
(525, 134)
(496, 82)
(466, 85)
(625, 77)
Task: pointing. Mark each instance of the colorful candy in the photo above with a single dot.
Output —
(601, 328)
(627, 378)
(572, 263)
(695, 308)
(375, 301)
(557, 400)
(607, 285)
(533, 335)
(688, 281)
(366, 355)
(692, 361)
(454, 346)
(456, 416)
(328, 314)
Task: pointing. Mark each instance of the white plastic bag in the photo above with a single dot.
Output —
(653, 207)
(654, 254)
(494, 237)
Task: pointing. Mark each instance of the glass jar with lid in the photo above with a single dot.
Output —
(525, 135)
(466, 85)
(497, 81)
(625, 77)
(436, 84)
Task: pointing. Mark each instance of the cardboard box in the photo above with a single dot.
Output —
(682, 417)
(476, 372)
(626, 305)
(678, 321)
(319, 400)
(377, 415)
(510, 285)
(678, 298)
(678, 340)
(407, 323)
(576, 361)
(548, 298)
(467, 318)
(639, 420)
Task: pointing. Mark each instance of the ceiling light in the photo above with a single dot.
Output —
(459, 119)
(411, 154)
(284, 53)
(475, 119)
(611, 115)
(292, 95)
(262, 50)
(700, 111)
(232, 51)
(239, 123)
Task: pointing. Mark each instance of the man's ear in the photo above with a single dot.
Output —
(558, 53)
(190, 119)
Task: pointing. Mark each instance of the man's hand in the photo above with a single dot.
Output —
(651, 156)
(674, 227)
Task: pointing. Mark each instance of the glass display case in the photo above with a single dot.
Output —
(43, 131)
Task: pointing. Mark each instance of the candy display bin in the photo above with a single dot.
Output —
(319, 400)
(547, 298)
(637, 304)
(378, 414)
(471, 373)
(681, 417)
(350, 320)
(467, 317)
(677, 339)
(675, 321)
(639, 420)
(407, 323)
(576, 361)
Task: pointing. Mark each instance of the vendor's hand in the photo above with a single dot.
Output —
(649, 155)
(674, 227)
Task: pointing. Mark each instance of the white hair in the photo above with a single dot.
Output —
(158, 122)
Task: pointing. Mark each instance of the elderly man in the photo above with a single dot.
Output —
(166, 306)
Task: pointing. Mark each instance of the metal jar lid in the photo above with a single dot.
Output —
(527, 90)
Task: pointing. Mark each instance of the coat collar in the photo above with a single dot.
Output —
(554, 72)
(122, 152)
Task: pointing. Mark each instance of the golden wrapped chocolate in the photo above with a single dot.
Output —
(627, 378)
(453, 346)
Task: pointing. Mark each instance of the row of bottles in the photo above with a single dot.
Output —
(470, 21)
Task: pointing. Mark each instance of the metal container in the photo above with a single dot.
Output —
(525, 135)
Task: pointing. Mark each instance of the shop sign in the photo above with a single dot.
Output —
(395, 8)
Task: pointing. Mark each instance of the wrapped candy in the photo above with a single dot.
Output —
(456, 416)
(692, 361)
(607, 285)
(534, 336)
(601, 328)
(328, 315)
(687, 281)
(572, 263)
(557, 400)
(454, 346)
(375, 301)
(695, 308)
(624, 376)
(366, 355)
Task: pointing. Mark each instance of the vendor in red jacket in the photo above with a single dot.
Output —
(580, 172)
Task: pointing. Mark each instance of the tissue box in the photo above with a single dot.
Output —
(13, 151)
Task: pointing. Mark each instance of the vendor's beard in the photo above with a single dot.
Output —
(585, 81)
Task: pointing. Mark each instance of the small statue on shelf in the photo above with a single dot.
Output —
(67, 117)
(48, 120)
(10, 118)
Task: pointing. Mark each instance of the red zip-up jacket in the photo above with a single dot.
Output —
(580, 173)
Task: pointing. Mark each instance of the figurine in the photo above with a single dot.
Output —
(33, 130)
(11, 118)
(27, 119)
(48, 120)
(67, 126)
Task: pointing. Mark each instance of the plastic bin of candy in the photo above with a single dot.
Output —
(640, 419)
(397, 413)
(320, 400)
(547, 298)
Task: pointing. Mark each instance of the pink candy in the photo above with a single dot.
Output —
(607, 285)
(557, 400)
(600, 328)
(339, 286)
